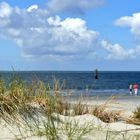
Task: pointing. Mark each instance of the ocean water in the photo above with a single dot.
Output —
(83, 82)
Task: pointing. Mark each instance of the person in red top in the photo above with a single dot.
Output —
(135, 86)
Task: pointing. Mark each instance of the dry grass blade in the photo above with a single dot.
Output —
(109, 116)
(135, 119)
(80, 109)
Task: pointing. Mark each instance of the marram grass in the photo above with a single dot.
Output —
(30, 107)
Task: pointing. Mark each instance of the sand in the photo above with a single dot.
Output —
(125, 103)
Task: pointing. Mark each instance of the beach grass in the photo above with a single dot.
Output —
(30, 108)
(135, 118)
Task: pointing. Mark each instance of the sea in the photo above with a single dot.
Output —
(82, 82)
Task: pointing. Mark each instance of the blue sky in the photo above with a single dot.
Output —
(69, 35)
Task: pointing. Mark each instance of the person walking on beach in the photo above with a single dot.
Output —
(130, 89)
(135, 89)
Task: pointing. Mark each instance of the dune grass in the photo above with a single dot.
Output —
(135, 118)
(30, 107)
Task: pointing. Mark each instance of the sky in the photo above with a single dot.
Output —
(70, 35)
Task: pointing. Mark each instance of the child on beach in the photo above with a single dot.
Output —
(135, 89)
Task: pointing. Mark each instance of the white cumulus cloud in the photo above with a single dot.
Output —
(116, 51)
(131, 21)
(40, 35)
(32, 8)
(5, 10)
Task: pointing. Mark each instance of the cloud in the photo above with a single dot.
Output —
(39, 35)
(32, 8)
(5, 10)
(69, 37)
(80, 6)
(116, 51)
(130, 21)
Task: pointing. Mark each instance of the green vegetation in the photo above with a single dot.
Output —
(33, 110)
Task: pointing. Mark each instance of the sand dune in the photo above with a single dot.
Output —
(100, 129)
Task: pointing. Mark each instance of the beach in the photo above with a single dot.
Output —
(69, 70)
(83, 109)
(122, 102)
(98, 130)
